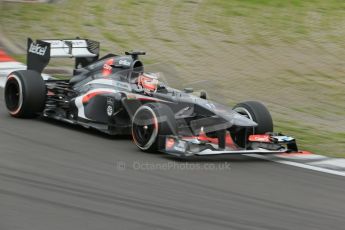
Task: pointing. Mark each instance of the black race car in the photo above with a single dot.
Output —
(114, 94)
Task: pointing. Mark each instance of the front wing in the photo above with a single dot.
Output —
(271, 143)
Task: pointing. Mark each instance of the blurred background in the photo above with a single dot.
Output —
(288, 54)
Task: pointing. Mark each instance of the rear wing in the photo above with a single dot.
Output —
(39, 52)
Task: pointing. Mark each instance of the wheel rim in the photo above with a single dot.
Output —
(13, 94)
(144, 127)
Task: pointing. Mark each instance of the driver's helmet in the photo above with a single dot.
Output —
(148, 82)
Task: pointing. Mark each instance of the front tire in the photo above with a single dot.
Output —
(257, 112)
(25, 94)
(150, 121)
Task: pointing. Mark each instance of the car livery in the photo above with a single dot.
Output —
(115, 95)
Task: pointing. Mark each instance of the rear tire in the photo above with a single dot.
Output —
(257, 112)
(149, 121)
(25, 94)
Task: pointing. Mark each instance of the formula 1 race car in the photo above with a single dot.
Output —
(114, 94)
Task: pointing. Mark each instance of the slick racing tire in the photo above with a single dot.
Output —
(149, 122)
(257, 112)
(25, 94)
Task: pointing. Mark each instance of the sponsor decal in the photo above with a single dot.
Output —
(55, 43)
(107, 69)
(169, 143)
(175, 145)
(181, 146)
(78, 43)
(110, 106)
(37, 49)
(62, 43)
(283, 138)
(124, 62)
(259, 138)
(110, 110)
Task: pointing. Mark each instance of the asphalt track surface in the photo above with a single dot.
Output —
(54, 176)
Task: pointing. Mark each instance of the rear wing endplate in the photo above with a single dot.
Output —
(39, 52)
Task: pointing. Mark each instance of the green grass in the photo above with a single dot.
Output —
(288, 21)
(288, 54)
(314, 140)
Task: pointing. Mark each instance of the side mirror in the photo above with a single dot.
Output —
(203, 95)
(188, 90)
